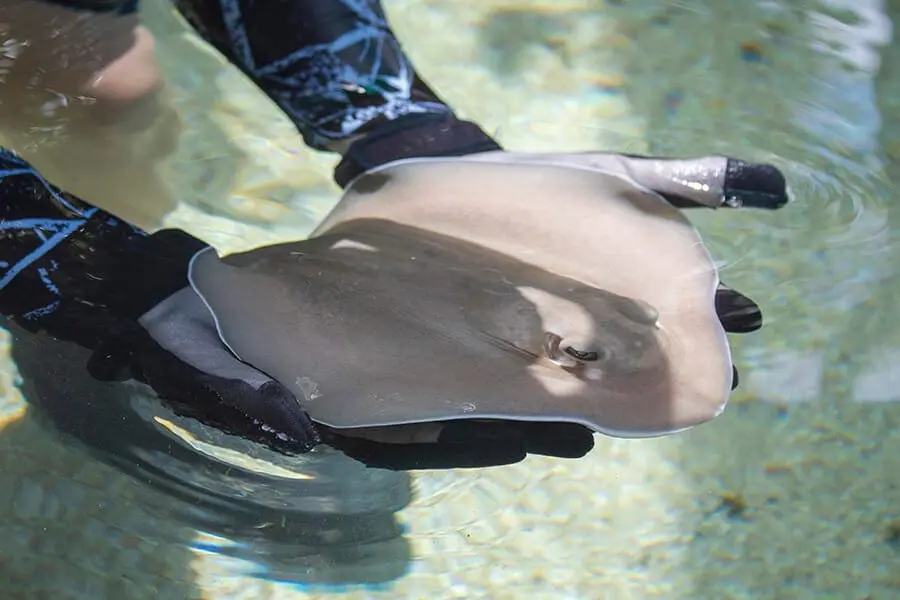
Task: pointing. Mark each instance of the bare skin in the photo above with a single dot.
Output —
(82, 98)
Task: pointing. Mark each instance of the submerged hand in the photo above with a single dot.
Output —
(138, 316)
(184, 360)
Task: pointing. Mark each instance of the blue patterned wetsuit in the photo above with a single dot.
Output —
(332, 65)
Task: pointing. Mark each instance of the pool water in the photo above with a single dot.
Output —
(793, 493)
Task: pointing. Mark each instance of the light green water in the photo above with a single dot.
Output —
(793, 493)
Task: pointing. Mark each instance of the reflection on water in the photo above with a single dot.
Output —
(793, 493)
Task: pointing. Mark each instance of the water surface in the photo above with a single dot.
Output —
(793, 493)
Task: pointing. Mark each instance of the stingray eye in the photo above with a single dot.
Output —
(566, 356)
(582, 356)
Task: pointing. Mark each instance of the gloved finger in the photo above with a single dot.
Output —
(270, 411)
(472, 444)
(410, 457)
(712, 181)
(255, 407)
(457, 453)
(561, 440)
(273, 411)
(737, 312)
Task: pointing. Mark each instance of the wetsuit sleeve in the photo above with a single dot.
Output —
(333, 66)
(61, 257)
(37, 218)
(339, 72)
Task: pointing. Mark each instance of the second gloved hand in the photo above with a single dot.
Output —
(123, 295)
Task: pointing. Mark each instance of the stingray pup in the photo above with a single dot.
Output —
(447, 289)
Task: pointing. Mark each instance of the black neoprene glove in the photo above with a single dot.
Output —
(123, 295)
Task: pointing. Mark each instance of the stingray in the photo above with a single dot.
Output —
(446, 289)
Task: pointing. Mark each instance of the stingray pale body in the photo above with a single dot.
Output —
(443, 289)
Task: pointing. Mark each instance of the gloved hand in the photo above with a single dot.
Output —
(710, 182)
(123, 295)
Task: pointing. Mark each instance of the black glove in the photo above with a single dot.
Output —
(124, 295)
(471, 443)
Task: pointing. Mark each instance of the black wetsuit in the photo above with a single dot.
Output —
(333, 66)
